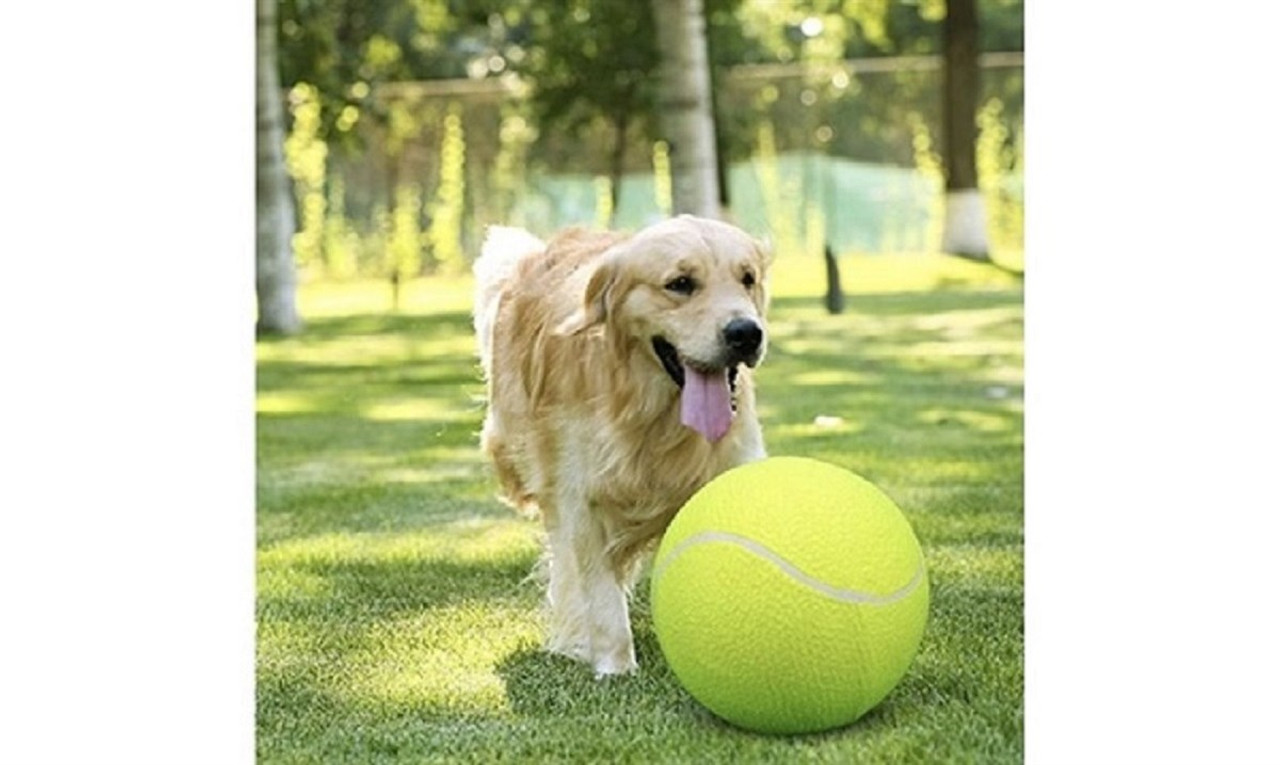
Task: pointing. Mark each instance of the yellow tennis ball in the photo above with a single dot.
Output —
(789, 596)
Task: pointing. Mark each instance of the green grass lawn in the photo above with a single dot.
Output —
(395, 620)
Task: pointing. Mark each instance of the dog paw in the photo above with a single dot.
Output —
(572, 649)
(615, 664)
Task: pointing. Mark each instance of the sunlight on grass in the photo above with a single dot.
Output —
(960, 324)
(347, 465)
(945, 524)
(791, 275)
(963, 562)
(413, 409)
(1012, 259)
(291, 582)
(820, 429)
(320, 472)
(444, 660)
(285, 403)
(287, 646)
(927, 340)
(470, 540)
(470, 453)
(933, 350)
(438, 294)
(437, 473)
(982, 421)
(868, 274)
(368, 350)
(829, 377)
(923, 470)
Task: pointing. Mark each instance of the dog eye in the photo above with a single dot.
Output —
(682, 284)
(748, 280)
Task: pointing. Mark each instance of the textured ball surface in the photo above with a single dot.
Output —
(789, 595)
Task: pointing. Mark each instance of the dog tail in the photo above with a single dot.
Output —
(504, 247)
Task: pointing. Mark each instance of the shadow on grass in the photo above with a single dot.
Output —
(544, 687)
(872, 378)
(444, 324)
(541, 686)
(359, 591)
(367, 354)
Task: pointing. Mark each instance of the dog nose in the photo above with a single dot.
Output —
(743, 336)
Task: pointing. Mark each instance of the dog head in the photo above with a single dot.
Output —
(691, 293)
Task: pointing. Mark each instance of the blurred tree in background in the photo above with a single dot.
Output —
(415, 123)
(592, 61)
(684, 106)
(964, 229)
(277, 313)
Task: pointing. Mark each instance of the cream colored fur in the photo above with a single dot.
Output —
(583, 423)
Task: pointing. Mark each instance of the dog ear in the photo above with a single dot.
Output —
(765, 250)
(595, 303)
(765, 254)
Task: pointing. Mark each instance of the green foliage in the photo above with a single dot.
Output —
(341, 243)
(373, 255)
(662, 193)
(305, 155)
(868, 28)
(929, 164)
(779, 200)
(508, 177)
(589, 57)
(404, 248)
(933, 10)
(872, 19)
(346, 47)
(999, 172)
(402, 125)
(604, 201)
(445, 233)
(582, 71)
(592, 65)
(1000, 25)
(588, 60)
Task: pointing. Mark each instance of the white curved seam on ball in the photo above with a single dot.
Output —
(788, 568)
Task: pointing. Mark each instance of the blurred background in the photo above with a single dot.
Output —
(410, 125)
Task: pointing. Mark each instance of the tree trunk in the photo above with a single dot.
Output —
(684, 106)
(618, 160)
(276, 282)
(722, 161)
(835, 292)
(964, 229)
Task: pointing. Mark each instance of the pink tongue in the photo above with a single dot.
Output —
(704, 403)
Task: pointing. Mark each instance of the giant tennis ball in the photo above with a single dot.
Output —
(789, 595)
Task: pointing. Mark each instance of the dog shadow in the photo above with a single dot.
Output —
(544, 685)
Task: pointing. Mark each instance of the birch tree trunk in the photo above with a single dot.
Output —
(276, 282)
(684, 106)
(964, 230)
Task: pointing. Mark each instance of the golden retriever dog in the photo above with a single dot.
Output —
(618, 372)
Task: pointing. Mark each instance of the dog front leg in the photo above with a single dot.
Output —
(565, 601)
(589, 617)
(605, 593)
